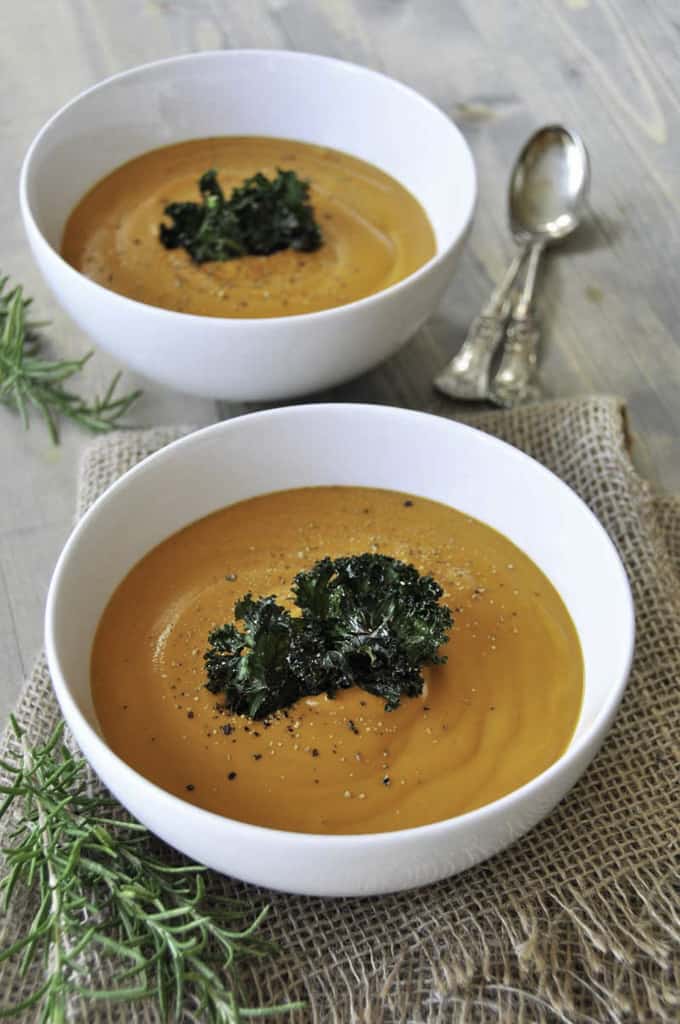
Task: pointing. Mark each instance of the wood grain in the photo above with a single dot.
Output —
(609, 302)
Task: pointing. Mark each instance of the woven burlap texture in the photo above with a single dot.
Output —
(576, 922)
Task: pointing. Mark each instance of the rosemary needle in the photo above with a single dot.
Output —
(103, 893)
(27, 379)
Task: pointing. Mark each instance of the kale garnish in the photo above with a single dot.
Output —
(365, 620)
(260, 217)
(251, 665)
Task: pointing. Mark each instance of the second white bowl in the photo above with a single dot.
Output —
(365, 446)
(249, 92)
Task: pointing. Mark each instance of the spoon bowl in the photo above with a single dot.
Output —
(548, 186)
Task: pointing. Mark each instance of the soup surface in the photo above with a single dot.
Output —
(375, 232)
(498, 713)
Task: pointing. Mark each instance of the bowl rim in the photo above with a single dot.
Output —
(250, 323)
(365, 840)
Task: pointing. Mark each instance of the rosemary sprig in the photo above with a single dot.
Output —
(103, 893)
(27, 378)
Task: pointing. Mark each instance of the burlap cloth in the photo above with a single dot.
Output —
(578, 921)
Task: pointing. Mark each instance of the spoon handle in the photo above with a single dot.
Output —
(513, 381)
(467, 375)
(522, 310)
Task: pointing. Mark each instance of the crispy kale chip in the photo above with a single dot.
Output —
(251, 665)
(260, 217)
(374, 622)
(366, 620)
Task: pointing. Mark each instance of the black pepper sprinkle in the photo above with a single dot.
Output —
(190, 714)
(255, 733)
(386, 780)
(190, 786)
(231, 776)
(125, 707)
(352, 727)
(426, 707)
(227, 729)
(408, 503)
(315, 752)
(257, 757)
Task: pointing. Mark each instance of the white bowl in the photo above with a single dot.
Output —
(249, 92)
(359, 445)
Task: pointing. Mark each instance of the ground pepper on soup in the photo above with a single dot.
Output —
(374, 231)
(499, 712)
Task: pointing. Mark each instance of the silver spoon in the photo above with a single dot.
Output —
(548, 192)
(548, 189)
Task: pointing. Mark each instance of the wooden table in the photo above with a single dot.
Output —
(610, 298)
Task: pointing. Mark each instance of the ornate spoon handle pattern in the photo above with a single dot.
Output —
(467, 375)
(513, 381)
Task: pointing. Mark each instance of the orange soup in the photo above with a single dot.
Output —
(500, 711)
(374, 231)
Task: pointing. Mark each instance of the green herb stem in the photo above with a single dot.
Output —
(28, 380)
(102, 888)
